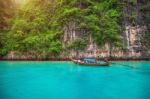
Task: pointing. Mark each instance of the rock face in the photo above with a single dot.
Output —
(132, 39)
(133, 31)
(135, 25)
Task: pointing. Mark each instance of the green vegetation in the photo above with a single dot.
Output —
(31, 32)
(6, 12)
(145, 15)
(145, 42)
(77, 45)
(38, 25)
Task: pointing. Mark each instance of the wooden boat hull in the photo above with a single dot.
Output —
(83, 64)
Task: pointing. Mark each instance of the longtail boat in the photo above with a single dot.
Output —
(89, 62)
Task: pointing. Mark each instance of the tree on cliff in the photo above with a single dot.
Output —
(98, 18)
(7, 11)
(31, 33)
(77, 45)
(38, 25)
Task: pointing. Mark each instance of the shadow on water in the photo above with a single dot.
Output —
(142, 70)
(139, 69)
(130, 66)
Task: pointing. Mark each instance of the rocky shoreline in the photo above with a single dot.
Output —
(68, 59)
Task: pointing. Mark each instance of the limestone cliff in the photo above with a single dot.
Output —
(135, 32)
(135, 26)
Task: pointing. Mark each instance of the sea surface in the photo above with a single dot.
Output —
(66, 80)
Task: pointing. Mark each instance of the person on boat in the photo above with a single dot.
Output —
(82, 57)
(80, 61)
(106, 60)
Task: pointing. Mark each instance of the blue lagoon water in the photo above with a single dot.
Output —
(65, 80)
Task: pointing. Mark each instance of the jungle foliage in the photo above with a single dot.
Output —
(37, 25)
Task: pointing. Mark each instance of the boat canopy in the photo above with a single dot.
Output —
(89, 59)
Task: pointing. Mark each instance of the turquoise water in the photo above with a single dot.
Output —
(65, 80)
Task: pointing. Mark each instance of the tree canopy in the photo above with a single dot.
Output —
(37, 27)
